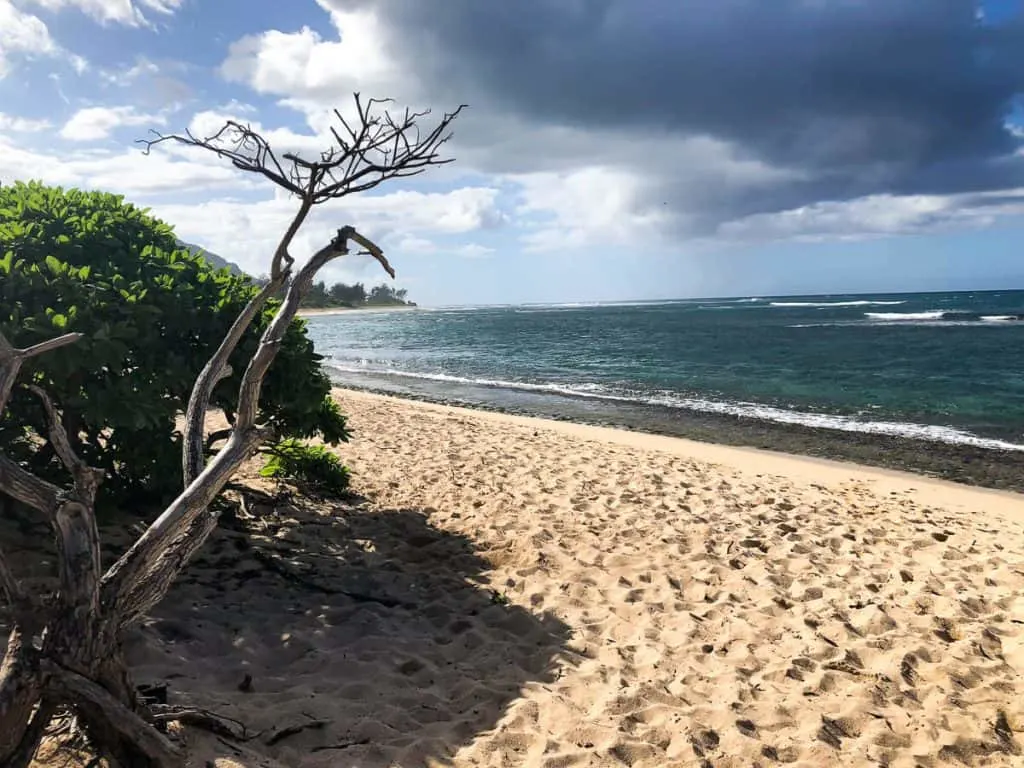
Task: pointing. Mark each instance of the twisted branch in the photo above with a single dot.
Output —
(142, 576)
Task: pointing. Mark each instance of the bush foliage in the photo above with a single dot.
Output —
(152, 314)
(312, 465)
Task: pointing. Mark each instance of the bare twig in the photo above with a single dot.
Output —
(376, 148)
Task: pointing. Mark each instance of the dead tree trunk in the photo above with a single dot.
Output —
(64, 650)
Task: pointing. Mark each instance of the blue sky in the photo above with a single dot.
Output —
(612, 150)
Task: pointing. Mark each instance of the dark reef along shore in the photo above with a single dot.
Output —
(967, 464)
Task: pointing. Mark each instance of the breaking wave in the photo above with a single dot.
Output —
(858, 303)
(666, 399)
(933, 314)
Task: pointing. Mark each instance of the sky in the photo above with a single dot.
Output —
(611, 149)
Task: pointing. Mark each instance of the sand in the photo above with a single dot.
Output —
(539, 594)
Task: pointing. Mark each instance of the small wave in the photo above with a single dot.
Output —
(933, 314)
(571, 305)
(998, 318)
(747, 301)
(859, 303)
(749, 410)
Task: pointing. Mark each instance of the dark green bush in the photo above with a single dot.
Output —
(152, 314)
(312, 465)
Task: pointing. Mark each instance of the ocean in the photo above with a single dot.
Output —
(940, 368)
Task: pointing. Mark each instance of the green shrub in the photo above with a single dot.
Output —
(312, 465)
(152, 314)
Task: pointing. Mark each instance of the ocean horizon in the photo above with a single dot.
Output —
(938, 367)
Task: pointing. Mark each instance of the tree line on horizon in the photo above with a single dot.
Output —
(343, 295)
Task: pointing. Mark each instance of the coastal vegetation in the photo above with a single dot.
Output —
(92, 354)
(150, 313)
(341, 295)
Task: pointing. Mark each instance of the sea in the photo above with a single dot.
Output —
(935, 367)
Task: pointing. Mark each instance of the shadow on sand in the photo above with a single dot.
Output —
(368, 636)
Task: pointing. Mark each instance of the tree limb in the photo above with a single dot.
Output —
(78, 539)
(192, 455)
(22, 485)
(12, 358)
(151, 742)
(216, 436)
(143, 575)
(21, 691)
(16, 481)
(86, 479)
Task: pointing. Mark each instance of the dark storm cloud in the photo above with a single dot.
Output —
(858, 96)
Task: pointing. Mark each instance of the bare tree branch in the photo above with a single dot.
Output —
(78, 538)
(216, 369)
(143, 575)
(12, 358)
(377, 148)
(87, 479)
(15, 481)
(22, 485)
(153, 744)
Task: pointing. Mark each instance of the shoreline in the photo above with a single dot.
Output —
(746, 460)
(960, 464)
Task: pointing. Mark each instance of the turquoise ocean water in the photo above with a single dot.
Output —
(945, 367)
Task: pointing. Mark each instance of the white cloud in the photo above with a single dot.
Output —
(247, 232)
(474, 251)
(22, 33)
(582, 205)
(414, 245)
(876, 216)
(304, 66)
(595, 206)
(16, 124)
(94, 123)
(127, 12)
(128, 172)
(125, 77)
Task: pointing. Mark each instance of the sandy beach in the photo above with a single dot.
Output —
(519, 592)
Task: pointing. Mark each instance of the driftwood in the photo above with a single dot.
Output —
(64, 651)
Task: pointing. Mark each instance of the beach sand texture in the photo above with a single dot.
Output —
(557, 596)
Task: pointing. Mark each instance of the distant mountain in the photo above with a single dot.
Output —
(216, 261)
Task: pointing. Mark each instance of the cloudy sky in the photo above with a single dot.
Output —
(613, 149)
